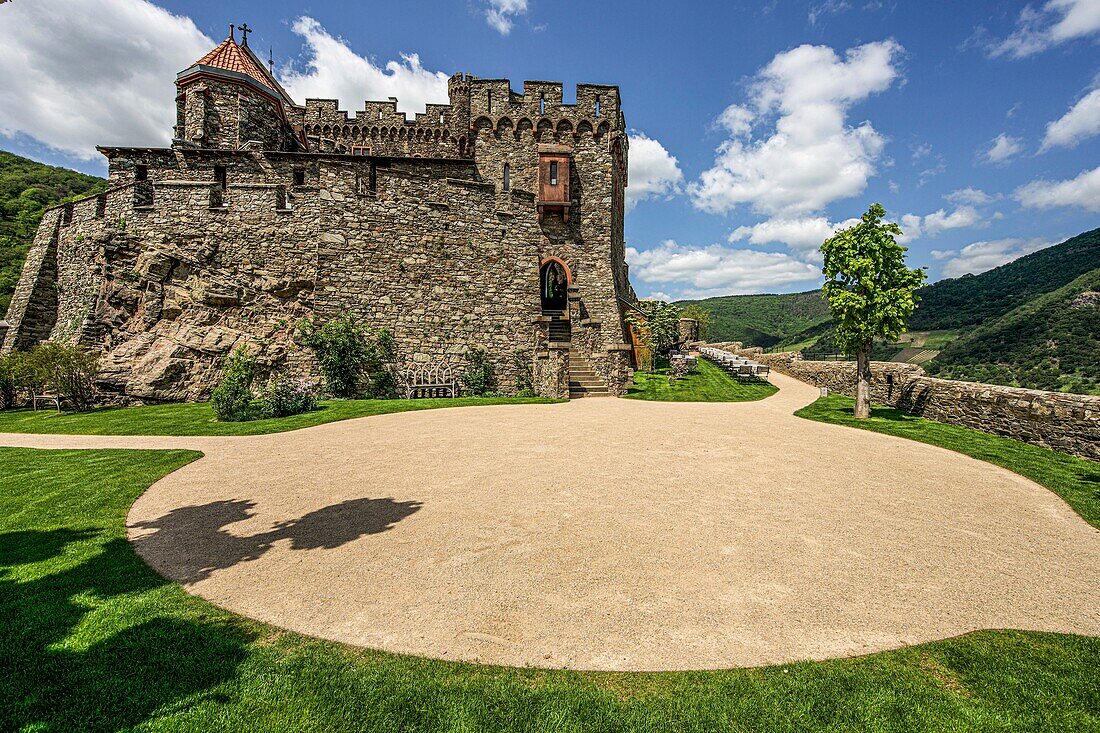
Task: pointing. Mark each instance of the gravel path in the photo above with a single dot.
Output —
(613, 534)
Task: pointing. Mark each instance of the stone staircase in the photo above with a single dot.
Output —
(583, 380)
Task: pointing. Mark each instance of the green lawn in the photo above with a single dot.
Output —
(707, 383)
(93, 640)
(198, 418)
(1074, 479)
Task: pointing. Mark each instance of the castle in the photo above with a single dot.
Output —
(494, 222)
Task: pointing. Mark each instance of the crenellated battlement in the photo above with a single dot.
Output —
(448, 228)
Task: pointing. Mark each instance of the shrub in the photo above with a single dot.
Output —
(350, 353)
(9, 380)
(69, 371)
(381, 382)
(478, 377)
(232, 398)
(283, 396)
(524, 379)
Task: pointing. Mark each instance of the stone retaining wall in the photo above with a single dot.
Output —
(1065, 422)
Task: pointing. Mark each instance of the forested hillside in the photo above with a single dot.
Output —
(972, 300)
(764, 320)
(28, 188)
(1051, 342)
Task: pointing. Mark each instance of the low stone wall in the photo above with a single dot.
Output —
(1065, 422)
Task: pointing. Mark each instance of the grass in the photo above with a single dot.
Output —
(198, 418)
(92, 639)
(1076, 480)
(707, 383)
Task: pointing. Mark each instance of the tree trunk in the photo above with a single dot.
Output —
(863, 382)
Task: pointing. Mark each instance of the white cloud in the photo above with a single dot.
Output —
(802, 235)
(716, 270)
(812, 157)
(826, 7)
(334, 71)
(653, 170)
(970, 196)
(500, 14)
(1083, 191)
(981, 256)
(81, 73)
(914, 226)
(1056, 22)
(1081, 122)
(1002, 149)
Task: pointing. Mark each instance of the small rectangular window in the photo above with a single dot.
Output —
(553, 174)
(221, 177)
(597, 105)
(360, 150)
(299, 177)
(141, 173)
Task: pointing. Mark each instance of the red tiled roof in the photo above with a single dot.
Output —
(231, 57)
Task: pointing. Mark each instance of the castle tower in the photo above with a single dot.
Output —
(227, 99)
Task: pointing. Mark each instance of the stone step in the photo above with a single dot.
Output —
(587, 386)
(579, 395)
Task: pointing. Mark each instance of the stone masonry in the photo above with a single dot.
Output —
(263, 213)
(1057, 420)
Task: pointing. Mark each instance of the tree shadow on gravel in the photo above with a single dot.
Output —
(190, 543)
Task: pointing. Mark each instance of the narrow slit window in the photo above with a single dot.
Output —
(553, 174)
(489, 99)
(507, 177)
(221, 177)
(542, 104)
(141, 173)
(597, 105)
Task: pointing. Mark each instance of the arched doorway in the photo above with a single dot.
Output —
(553, 285)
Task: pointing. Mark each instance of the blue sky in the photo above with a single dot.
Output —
(756, 126)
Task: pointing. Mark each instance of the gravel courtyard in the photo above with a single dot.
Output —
(613, 534)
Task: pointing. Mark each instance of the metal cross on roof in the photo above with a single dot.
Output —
(245, 30)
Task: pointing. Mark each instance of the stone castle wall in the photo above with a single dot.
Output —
(246, 226)
(1056, 420)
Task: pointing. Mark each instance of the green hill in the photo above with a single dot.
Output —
(764, 320)
(973, 300)
(1032, 322)
(1051, 342)
(28, 188)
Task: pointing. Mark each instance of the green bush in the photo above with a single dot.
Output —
(350, 354)
(232, 398)
(478, 377)
(283, 396)
(525, 386)
(9, 379)
(68, 371)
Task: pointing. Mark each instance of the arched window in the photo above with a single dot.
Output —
(507, 177)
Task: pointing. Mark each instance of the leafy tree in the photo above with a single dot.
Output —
(701, 315)
(657, 322)
(870, 291)
(232, 397)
